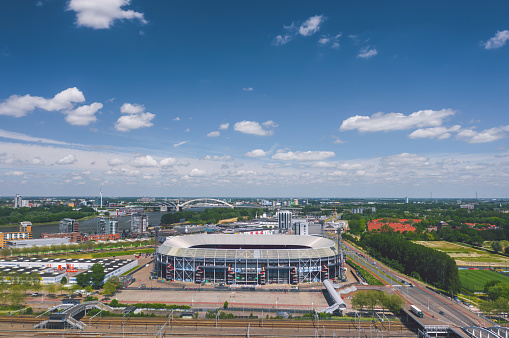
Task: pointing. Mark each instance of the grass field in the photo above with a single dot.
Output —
(467, 256)
(474, 280)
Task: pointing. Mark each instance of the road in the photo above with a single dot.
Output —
(414, 293)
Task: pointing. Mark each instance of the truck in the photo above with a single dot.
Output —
(416, 311)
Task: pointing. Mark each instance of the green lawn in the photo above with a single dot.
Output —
(474, 280)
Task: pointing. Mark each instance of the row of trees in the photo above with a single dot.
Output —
(43, 214)
(498, 297)
(372, 299)
(413, 259)
(213, 215)
(68, 248)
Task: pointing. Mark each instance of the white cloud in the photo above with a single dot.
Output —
(83, 115)
(256, 153)
(323, 164)
(396, 121)
(254, 128)
(214, 134)
(176, 145)
(23, 137)
(487, 135)
(270, 124)
(337, 140)
(18, 106)
(248, 89)
(328, 40)
(403, 161)
(135, 118)
(197, 172)
(37, 161)
(499, 40)
(100, 14)
(311, 25)
(440, 133)
(276, 165)
(14, 173)
(176, 119)
(217, 158)
(281, 40)
(367, 52)
(224, 126)
(132, 108)
(167, 162)
(143, 161)
(115, 161)
(284, 155)
(308, 28)
(66, 160)
(123, 172)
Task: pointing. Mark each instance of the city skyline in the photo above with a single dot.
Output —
(254, 99)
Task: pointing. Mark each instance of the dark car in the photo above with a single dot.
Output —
(441, 312)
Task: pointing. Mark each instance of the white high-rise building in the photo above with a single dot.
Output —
(139, 223)
(284, 218)
(301, 228)
(17, 201)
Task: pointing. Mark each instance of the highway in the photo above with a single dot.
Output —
(428, 301)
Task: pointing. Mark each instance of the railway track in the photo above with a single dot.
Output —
(224, 323)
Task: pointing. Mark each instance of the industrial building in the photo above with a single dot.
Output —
(247, 260)
(52, 270)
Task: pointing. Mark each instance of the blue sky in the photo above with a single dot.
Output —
(254, 98)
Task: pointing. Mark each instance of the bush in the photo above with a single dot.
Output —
(29, 311)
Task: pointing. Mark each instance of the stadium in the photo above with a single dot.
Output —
(247, 259)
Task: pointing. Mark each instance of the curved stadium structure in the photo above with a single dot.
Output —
(247, 259)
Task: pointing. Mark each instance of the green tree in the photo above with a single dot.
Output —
(116, 281)
(97, 275)
(109, 288)
(392, 302)
(499, 290)
(16, 296)
(83, 279)
(5, 252)
(51, 289)
(360, 300)
(225, 304)
(63, 281)
(496, 246)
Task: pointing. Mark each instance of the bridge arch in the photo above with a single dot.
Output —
(179, 207)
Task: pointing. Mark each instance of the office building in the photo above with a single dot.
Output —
(284, 218)
(17, 201)
(139, 223)
(107, 226)
(68, 225)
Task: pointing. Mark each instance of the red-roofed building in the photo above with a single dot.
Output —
(400, 226)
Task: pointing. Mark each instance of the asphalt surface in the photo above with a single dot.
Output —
(428, 301)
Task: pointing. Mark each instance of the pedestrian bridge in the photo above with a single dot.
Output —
(66, 318)
(487, 332)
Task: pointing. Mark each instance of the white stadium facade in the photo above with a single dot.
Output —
(247, 260)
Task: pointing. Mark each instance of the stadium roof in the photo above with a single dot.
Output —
(184, 246)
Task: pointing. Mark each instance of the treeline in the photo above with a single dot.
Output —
(70, 248)
(413, 259)
(43, 214)
(213, 215)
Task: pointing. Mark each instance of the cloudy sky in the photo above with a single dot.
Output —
(254, 98)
